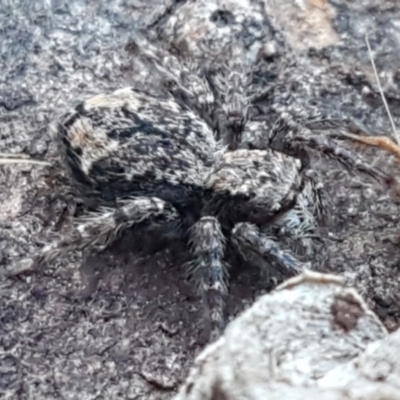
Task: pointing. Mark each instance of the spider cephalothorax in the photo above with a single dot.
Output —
(176, 163)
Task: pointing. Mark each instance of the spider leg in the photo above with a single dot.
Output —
(321, 205)
(301, 225)
(100, 228)
(210, 274)
(382, 142)
(234, 102)
(387, 144)
(290, 137)
(184, 79)
(334, 151)
(251, 241)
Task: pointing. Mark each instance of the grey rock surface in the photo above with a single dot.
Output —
(312, 336)
(136, 335)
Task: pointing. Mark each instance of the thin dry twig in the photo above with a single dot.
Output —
(382, 142)
(396, 136)
(4, 161)
(13, 155)
(9, 158)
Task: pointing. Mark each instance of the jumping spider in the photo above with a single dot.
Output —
(176, 163)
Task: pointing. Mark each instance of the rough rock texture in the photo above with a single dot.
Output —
(135, 337)
(311, 336)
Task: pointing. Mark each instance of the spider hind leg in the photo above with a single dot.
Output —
(208, 270)
(250, 240)
(97, 230)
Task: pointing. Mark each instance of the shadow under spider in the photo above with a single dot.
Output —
(150, 274)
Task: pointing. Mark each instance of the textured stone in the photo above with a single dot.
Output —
(312, 336)
(53, 53)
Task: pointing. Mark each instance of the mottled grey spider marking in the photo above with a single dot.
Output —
(193, 163)
(228, 109)
(204, 27)
(138, 160)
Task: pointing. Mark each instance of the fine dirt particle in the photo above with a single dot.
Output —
(55, 344)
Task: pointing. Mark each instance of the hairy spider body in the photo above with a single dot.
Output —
(191, 163)
(143, 161)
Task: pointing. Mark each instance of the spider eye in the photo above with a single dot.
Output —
(257, 214)
(235, 120)
(222, 17)
(169, 84)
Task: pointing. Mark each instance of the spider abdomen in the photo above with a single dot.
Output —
(129, 143)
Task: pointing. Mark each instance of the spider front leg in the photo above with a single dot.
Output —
(291, 138)
(382, 142)
(184, 79)
(301, 225)
(100, 228)
(315, 194)
(252, 243)
(347, 158)
(230, 91)
(210, 274)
